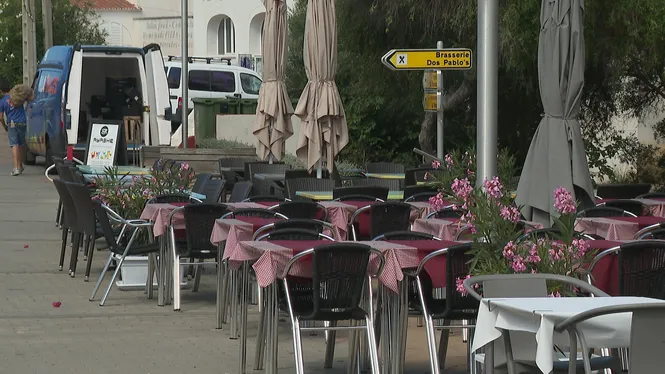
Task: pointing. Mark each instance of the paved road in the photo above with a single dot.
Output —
(131, 334)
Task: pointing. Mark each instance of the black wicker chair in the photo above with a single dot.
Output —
(390, 184)
(254, 212)
(636, 207)
(264, 199)
(360, 193)
(213, 191)
(294, 234)
(641, 268)
(419, 193)
(201, 180)
(308, 185)
(652, 195)
(341, 270)
(296, 223)
(87, 226)
(69, 221)
(455, 306)
(240, 192)
(604, 211)
(421, 174)
(384, 168)
(656, 231)
(119, 249)
(302, 209)
(622, 191)
(446, 213)
(173, 198)
(383, 217)
(199, 223)
(232, 170)
(551, 233)
(406, 235)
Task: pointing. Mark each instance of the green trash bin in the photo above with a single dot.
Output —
(230, 105)
(205, 117)
(248, 106)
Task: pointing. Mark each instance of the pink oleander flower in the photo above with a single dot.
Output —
(563, 201)
(581, 247)
(533, 256)
(459, 285)
(184, 166)
(554, 294)
(556, 253)
(427, 176)
(437, 201)
(510, 213)
(518, 264)
(493, 187)
(436, 164)
(509, 250)
(462, 188)
(469, 173)
(449, 161)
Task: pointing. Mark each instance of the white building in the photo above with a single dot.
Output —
(216, 27)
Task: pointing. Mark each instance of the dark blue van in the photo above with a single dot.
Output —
(76, 85)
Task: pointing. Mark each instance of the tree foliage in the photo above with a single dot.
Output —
(625, 73)
(71, 24)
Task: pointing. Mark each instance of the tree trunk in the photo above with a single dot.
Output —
(427, 136)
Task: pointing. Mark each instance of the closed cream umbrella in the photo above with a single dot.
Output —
(324, 132)
(556, 156)
(273, 113)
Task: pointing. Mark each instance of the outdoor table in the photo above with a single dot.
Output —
(122, 170)
(385, 175)
(449, 228)
(270, 177)
(656, 205)
(538, 316)
(615, 228)
(328, 195)
(272, 257)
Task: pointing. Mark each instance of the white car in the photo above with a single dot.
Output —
(210, 78)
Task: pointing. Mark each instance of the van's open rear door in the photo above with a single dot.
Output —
(74, 99)
(158, 94)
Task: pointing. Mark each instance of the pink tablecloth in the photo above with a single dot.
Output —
(436, 267)
(615, 228)
(446, 229)
(656, 206)
(339, 214)
(272, 257)
(159, 215)
(234, 231)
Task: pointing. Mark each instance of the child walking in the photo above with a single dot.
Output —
(13, 107)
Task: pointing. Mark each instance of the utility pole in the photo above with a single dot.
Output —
(29, 41)
(47, 23)
(184, 71)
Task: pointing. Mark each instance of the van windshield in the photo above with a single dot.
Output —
(250, 83)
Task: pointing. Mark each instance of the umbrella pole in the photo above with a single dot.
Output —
(270, 129)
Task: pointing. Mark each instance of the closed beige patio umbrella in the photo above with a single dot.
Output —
(274, 110)
(324, 131)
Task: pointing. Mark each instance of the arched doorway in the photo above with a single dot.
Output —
(256, 33)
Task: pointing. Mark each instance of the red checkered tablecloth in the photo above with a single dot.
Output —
(158, 214)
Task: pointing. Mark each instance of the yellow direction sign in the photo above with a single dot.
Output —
(430, 80)
(430, 102)
(426, 59)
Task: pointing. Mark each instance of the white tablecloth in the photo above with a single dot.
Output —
(539, 315)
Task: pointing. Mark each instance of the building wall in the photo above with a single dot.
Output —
(119, 27)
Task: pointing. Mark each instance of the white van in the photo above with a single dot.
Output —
(210, 78)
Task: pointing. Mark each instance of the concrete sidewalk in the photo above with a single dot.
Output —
(131, 334)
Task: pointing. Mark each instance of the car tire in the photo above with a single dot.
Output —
(30, 158)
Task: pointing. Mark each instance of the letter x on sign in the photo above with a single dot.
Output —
(401, 59)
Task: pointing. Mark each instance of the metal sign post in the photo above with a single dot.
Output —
(435, 60)
(184, 72)
(488, 88)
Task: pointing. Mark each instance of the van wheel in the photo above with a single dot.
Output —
(48, 161)
(30, 158)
